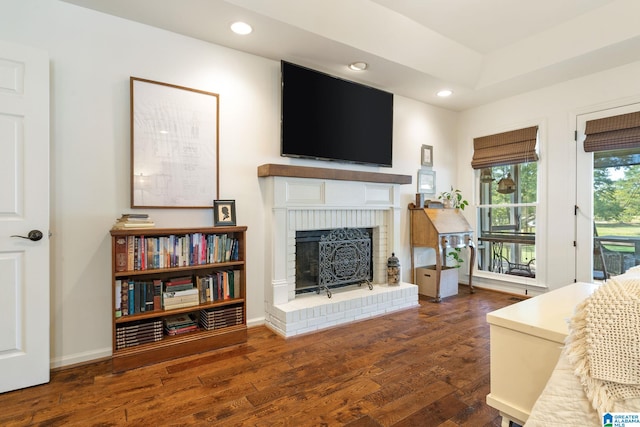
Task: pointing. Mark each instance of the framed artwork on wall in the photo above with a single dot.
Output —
(427, 182)
(427, 155)
(224, 212)
(174, 145)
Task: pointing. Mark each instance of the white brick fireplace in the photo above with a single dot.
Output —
(299, 199)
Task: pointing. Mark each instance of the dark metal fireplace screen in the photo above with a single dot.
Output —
(344, 258)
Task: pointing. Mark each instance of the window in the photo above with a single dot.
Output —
(507, 220)
(616, 212)
(508, 195)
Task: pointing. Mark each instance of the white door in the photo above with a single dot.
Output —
(584, 193)
(24, 206)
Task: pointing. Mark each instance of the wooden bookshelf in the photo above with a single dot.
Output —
(158, 247)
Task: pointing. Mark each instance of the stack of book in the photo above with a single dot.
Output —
(180, 324)
(136, 296)
(221, 285)
(136, 333)
(133, 220)
(221, 317)
(179, 292)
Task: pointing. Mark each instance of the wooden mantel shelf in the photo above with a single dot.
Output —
(325, 173)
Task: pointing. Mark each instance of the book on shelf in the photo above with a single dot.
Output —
(124, 297)
(179, 284)
(136, 224)
(148, 297)
(131, 252)
(237, 277)
(181, 293)
(185, 304)
(221, 317)
(179, 324)
(135, 215)
(120, 344)
(178, 331)
(134, 328)
(178, 288)
(132, 343)
(127, 221)
(173, 302)
(132, 297)
(179, 280)
(188, 301)
(138, 332)
(157, 294)
(118, 298)
(179, 320)
(121, 250)
(170, 298)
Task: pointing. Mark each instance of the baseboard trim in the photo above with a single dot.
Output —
(79, 359)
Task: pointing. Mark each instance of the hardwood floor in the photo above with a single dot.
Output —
(427, 366)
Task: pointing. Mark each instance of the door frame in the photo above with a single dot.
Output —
(584, 187)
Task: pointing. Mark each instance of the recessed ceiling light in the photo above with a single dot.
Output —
(241, 28)
(358, 66)
(444, 93)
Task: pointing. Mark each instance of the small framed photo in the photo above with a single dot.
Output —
(224, 212)
(427, 182)
(427, 155)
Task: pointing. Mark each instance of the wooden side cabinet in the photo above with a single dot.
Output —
(176, 292)
(440, 229)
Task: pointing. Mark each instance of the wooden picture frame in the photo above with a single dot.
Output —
(426, 155)
(427, 182)
(174, 146)
(224, 212)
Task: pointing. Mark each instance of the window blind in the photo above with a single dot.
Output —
(507, 148)
(613, 133)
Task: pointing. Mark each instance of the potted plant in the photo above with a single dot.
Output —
(453, 199)
(454, 254)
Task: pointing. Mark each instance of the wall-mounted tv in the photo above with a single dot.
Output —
(328, 118)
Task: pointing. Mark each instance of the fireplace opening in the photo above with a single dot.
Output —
(327, 259)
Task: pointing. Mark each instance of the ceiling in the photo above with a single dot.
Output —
(483, 50)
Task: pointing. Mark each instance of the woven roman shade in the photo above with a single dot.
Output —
(613, 133)
(507, 148)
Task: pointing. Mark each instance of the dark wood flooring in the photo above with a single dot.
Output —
(427, 366)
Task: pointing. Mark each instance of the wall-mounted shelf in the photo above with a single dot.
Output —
(325, 173)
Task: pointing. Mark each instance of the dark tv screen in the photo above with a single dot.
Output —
(328, 118)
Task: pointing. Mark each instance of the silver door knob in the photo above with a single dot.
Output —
(34, 235)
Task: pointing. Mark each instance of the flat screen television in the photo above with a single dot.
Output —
(328, 118)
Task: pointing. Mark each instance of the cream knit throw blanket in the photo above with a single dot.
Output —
(603, 345)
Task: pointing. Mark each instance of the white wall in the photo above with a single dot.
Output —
(554, 109)
(92, 57)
